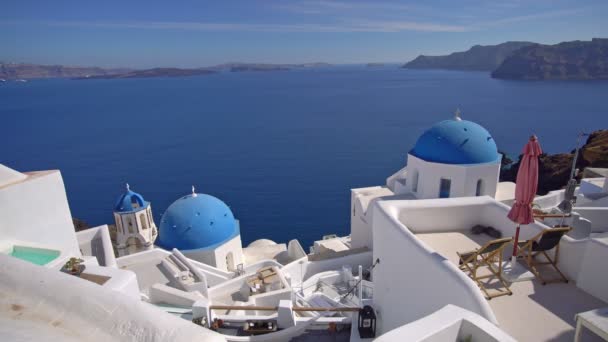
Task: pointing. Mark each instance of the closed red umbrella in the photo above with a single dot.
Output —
(525, 187)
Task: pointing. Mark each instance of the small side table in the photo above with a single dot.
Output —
(594, 320)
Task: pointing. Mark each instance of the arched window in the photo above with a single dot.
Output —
(134, 202)
(130, 225)
(415, 181)
(143, 220)
(445, 185)
(479, 188)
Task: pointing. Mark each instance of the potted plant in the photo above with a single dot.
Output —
(73, 266)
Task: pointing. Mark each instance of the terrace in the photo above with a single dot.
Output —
(417, 242)
(534, 312)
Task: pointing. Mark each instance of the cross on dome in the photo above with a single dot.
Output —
(457, 115)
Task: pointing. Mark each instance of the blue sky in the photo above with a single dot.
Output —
(136, 33)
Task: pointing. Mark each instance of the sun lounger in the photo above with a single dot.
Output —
(485, 257)
(543, 242)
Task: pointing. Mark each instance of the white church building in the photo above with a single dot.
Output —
(135, 228)
(453, 158)
(204, 229)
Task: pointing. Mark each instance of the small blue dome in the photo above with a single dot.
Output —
(129, 201)
(196, 221)
(456, 142)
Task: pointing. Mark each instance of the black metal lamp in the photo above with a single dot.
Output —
(367, 322)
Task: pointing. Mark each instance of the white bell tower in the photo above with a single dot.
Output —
(135, 228)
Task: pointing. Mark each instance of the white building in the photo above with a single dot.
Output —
(135, 228)
(34, 208)
(453, 158)
(204, 229)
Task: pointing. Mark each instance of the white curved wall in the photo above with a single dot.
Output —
(411, 280)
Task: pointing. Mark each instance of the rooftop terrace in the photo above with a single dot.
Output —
(534, 312)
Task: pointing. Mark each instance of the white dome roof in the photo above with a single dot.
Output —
(262, 243)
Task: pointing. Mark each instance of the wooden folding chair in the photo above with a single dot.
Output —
(543, 242)
(485, 257)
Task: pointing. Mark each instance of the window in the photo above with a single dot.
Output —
(415, 181)
(144, 222)
(479, 189)
(130, 225)
(444, 188)
(134, 202)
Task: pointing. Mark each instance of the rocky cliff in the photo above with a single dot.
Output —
(577, 60)
(555, 169)
(483, 58)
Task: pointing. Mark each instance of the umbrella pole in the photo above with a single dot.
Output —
(514, 257)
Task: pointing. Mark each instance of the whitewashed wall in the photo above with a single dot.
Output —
(308, 268)
(36, 210)
(216, 257)
(593, 276)
(96, 242)
(411, 280)
(597, 215)
(463, 178)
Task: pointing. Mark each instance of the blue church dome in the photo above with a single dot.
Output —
(197, 221)
(129, 201)
(456, 142)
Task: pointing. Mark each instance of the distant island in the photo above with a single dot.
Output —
(19, 71)
(576, 60)
(478, 58)
(155, 72)
(22, 71)
(237, 67)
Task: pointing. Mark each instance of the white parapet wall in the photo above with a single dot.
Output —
(97, 242)
(593, 276)
(411, 280)
(450, 323)
(598, 216)
(64, 307)
(148, 259)
(449, 215)
(302, 269)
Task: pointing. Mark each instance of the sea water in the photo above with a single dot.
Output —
(282, 149)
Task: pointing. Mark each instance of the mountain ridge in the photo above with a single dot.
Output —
(16, 71)
(477, 58)
(573, 60)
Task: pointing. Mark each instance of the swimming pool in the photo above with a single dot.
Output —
(38, 256)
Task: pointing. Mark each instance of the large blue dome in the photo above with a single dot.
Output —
(196, 221)
(129, 201)
(456, 142)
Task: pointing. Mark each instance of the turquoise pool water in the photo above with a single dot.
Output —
(36, 256)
